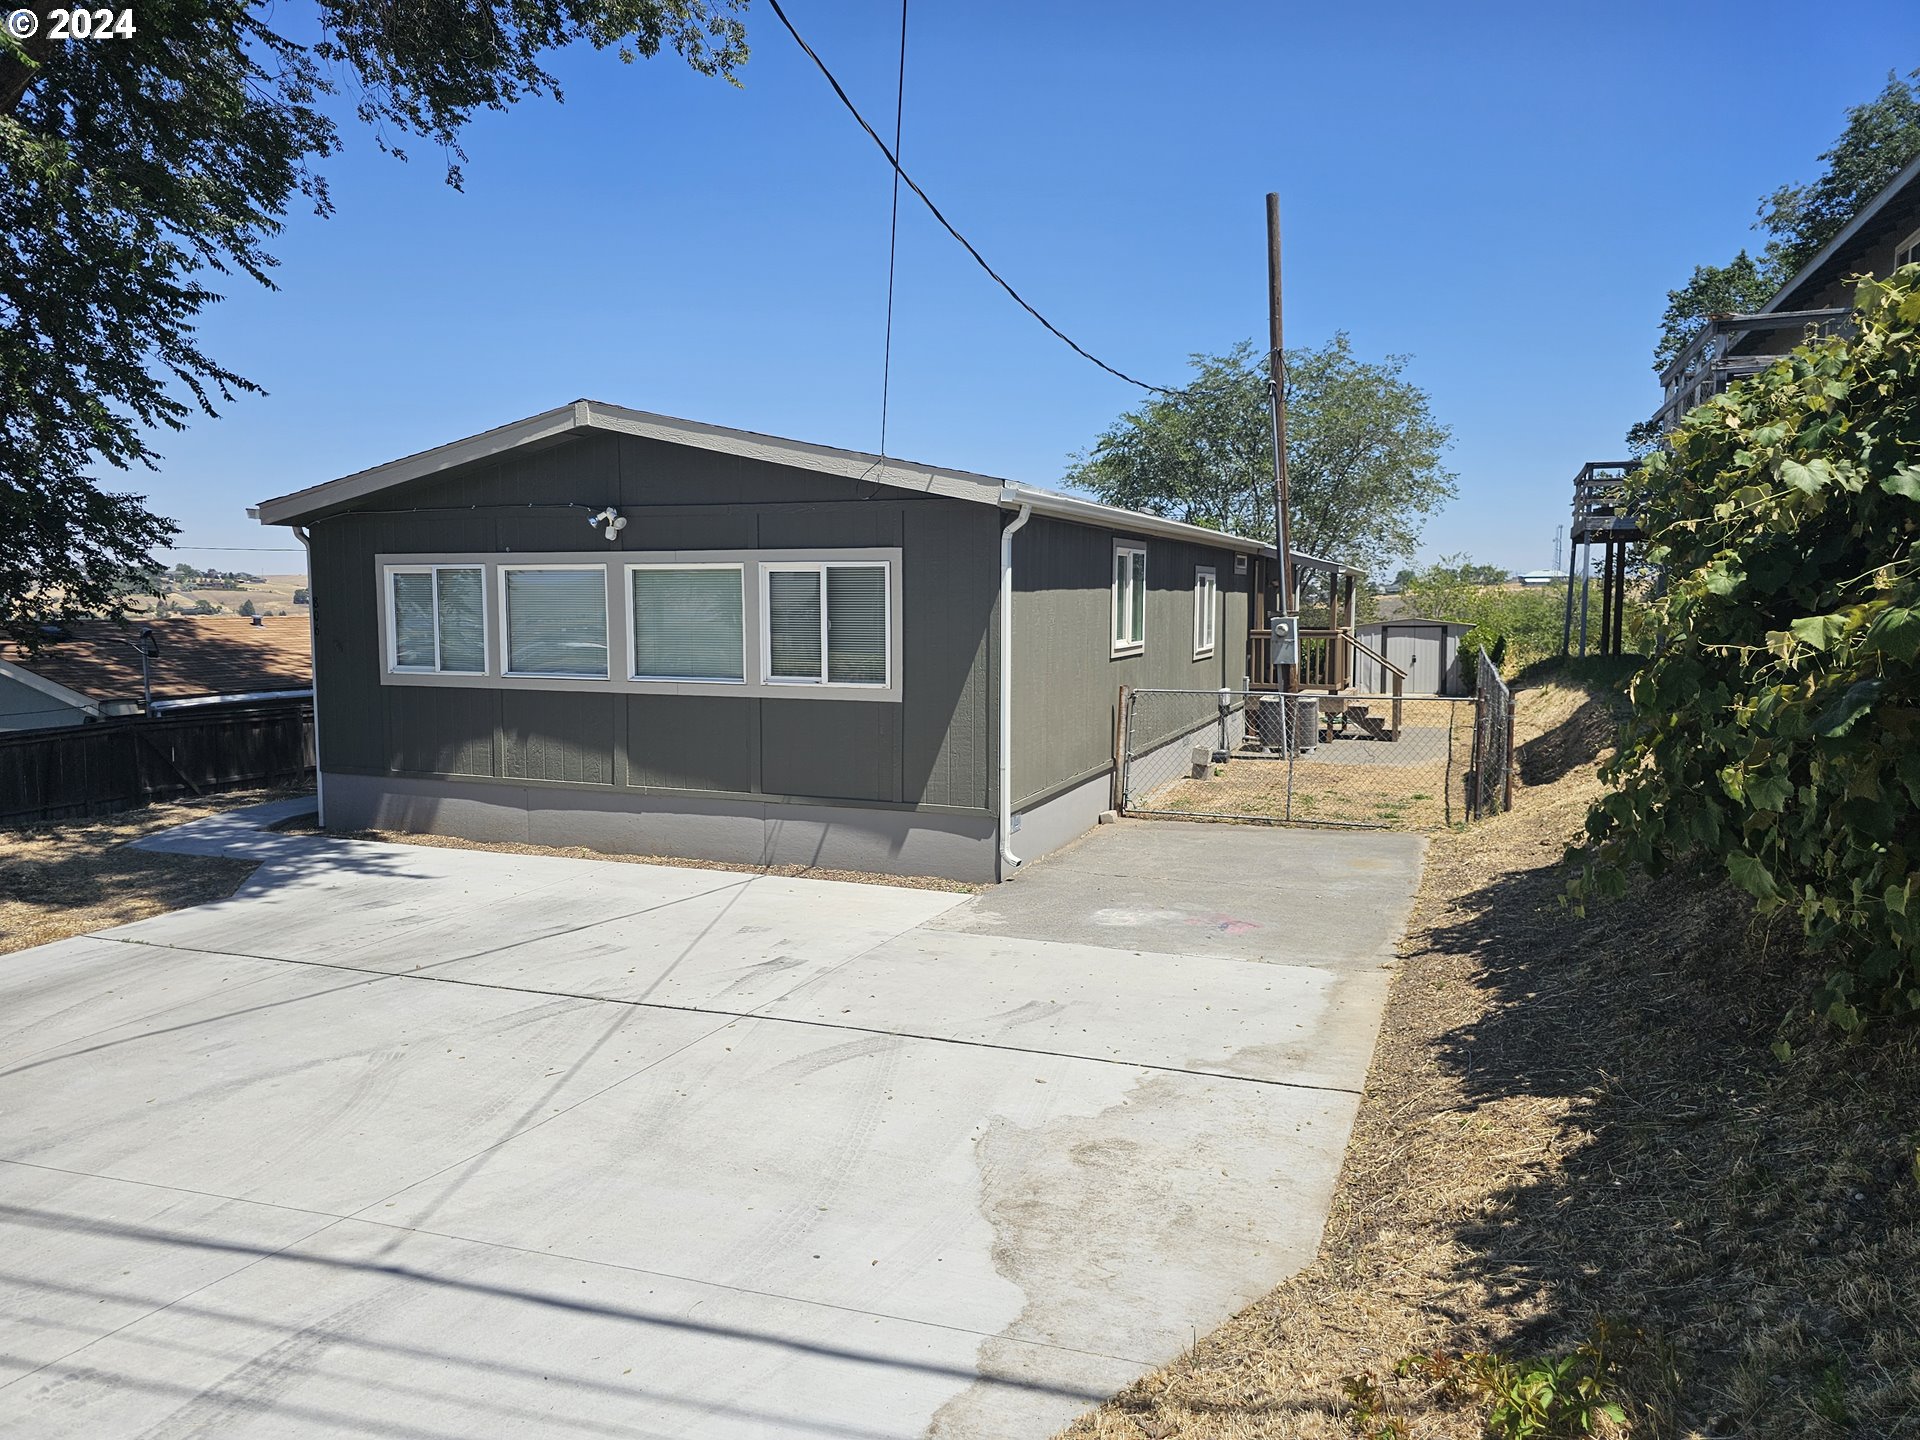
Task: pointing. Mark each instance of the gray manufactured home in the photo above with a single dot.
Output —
(607, 628)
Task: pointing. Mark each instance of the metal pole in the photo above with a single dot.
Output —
(1586, 583)
(146, 683)
(1277, 387)
(1606, 599)
(1566, 629)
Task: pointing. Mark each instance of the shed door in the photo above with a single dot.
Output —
(1416, 650)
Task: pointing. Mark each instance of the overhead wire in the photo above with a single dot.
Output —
(893, 159)
(893, 232)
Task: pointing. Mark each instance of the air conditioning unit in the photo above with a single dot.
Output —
(1306, 723)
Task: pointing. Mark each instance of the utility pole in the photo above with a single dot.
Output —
(1277, 383)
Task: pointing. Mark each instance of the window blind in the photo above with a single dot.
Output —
(793, 624)
(687, 624)
(413, 620)
(1139, 632)
(857, 624)
(557, 622)
(461, 595)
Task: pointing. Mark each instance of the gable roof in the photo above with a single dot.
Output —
(550, 427)
(1825, 266)
(199, 655)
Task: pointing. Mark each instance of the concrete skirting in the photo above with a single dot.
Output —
(1046, 827)
(827, 837)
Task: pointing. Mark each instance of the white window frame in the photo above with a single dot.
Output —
(613, 564)
(394, 667)
(764, 602)
(739, 567)
(1206, 610)
(506, 624)
(1131, 644)
(1910, 247)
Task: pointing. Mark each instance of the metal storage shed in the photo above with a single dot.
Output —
(1428, 650)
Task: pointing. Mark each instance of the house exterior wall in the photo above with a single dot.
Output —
(748, 758)
(1066, 676)
(23, 707)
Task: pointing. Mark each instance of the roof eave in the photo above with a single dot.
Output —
(1852, 228)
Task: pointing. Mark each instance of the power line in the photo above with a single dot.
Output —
(893, 230)
(252, 549)
(946, 224)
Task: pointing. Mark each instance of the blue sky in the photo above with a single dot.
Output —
(1503, 192)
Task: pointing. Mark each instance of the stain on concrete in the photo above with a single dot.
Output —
(1125, 1245)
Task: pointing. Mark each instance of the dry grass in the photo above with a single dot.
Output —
(303, 824)
(69, 877)
(1572, 1121)
(1417, 782)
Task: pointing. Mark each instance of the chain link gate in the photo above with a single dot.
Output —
(1375, 761)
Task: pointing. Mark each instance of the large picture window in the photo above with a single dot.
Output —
(556, 620)
(437, 619)
(793, 623)
(688, 622)
(826, 623)
(1129, 599)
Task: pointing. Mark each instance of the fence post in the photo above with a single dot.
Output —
(1123, 747)
(1506, 778)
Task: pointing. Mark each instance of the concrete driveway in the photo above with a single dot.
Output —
(429, 1143)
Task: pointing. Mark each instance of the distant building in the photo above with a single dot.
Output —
(92, 670)
(1537, 577)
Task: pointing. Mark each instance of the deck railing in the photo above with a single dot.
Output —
(1708, 365)
(1326, 664)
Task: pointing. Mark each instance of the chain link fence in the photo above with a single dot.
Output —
(1378, 761)
(1491, 790)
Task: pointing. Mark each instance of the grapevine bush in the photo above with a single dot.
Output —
(1776, 729)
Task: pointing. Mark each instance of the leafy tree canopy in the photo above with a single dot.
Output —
(1776, 730)
(1880, 139)
(136, 173)
(1363, 452)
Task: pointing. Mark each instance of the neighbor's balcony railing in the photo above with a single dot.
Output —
(1708, 365)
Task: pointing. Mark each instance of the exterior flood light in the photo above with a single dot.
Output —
(612, 521)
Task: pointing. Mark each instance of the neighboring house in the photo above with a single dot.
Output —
(608, 628)
(91, 670)
(1883, 236)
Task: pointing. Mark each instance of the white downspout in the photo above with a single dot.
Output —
(313, 665)
(1008, 859)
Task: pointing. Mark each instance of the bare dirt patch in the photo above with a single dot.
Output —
(69, 877)
(1573, 1124)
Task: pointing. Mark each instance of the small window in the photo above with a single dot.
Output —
(556, 620)
(438, 620)
(1206, 608)
(826, 624)
(688, 622)
(1908, 251)
(1129, 598)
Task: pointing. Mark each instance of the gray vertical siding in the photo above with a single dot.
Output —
(1066, 678)
(933, 749)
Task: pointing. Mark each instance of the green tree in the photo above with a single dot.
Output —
(246, 607)
(1880, 139)
(1743, 285)
(137, 174)
(1363, 452)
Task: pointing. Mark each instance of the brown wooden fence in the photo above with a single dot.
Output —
(117, 764)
